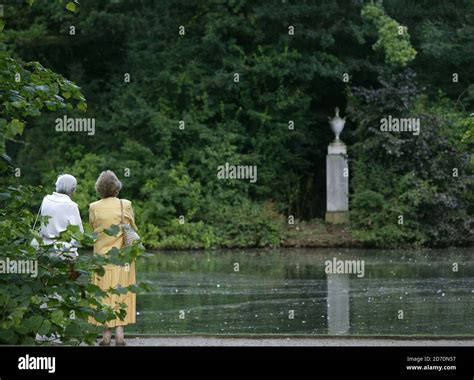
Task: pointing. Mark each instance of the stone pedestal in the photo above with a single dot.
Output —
(337, 183)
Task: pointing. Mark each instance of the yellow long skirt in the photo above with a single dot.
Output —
(116, 275)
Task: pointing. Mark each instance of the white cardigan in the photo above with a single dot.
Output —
(62, 212)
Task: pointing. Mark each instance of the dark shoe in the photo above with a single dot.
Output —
(104, 342)
(120, 343)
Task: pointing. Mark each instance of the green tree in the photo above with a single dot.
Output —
(410, 188)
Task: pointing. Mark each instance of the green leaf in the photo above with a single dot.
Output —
(113, 230)
(33, 323)
(21, 330)
(119, 290)
(6, 336)
(45, 327)
(73, 330)
(16, 127)
(134, 288)
(4, 196)
(28, 341)
(82, 106)
(57, 317)
(102, 316)
(145, 286)
(71, 7)
(36, 300)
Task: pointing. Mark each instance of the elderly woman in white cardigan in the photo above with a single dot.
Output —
(62, 212)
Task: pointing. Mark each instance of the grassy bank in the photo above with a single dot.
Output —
(312, 234)
(317, 234)
(303, 234)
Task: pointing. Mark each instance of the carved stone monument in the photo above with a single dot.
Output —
(337, 175)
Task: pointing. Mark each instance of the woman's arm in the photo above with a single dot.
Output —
(76, 219)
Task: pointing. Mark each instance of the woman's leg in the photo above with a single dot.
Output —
(107, 336)
(119, 338)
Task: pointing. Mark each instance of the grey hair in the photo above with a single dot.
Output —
(66, 184)
(108, 185)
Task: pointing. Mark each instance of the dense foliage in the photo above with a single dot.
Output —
(410, 189)
(182, 58)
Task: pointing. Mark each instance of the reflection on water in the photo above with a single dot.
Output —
(338, 303)
(288, 292)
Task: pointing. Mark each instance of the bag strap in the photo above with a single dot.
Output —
(121, 212)
(37, 215)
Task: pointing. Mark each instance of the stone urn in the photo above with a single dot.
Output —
(337, 124)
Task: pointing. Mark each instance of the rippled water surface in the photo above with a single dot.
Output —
(289, 292)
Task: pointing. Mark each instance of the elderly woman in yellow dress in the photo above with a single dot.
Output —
(103, 214)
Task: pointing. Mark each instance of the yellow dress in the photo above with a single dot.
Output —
(103, 214)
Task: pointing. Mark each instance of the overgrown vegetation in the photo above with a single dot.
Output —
(283, 77)
(410, 189)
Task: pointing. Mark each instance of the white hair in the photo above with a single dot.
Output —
(66, 184)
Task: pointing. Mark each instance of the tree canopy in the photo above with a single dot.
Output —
(177, 88)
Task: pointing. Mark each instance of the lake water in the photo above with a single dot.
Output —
(288, 292)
